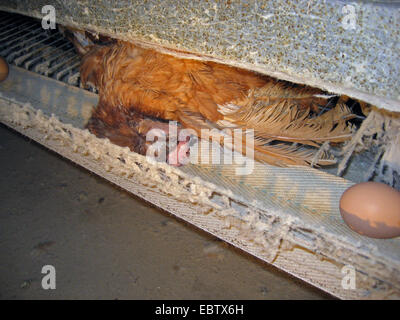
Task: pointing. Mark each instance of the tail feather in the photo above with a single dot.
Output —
(285, 121)
(264, 150)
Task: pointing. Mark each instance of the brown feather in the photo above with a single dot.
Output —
(264, 151)
(285, 121)
(158, 84)
(197, 94)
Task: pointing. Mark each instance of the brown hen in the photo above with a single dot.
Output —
(201, 94)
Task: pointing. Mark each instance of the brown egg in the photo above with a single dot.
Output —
(3, 69)
(372, 209)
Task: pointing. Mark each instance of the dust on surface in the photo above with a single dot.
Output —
(107, 244)
(71, 108)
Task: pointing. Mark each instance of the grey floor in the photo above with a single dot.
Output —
(106, 244)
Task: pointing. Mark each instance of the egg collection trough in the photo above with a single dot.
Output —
(288, 217)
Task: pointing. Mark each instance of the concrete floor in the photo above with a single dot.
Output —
(106, 244)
